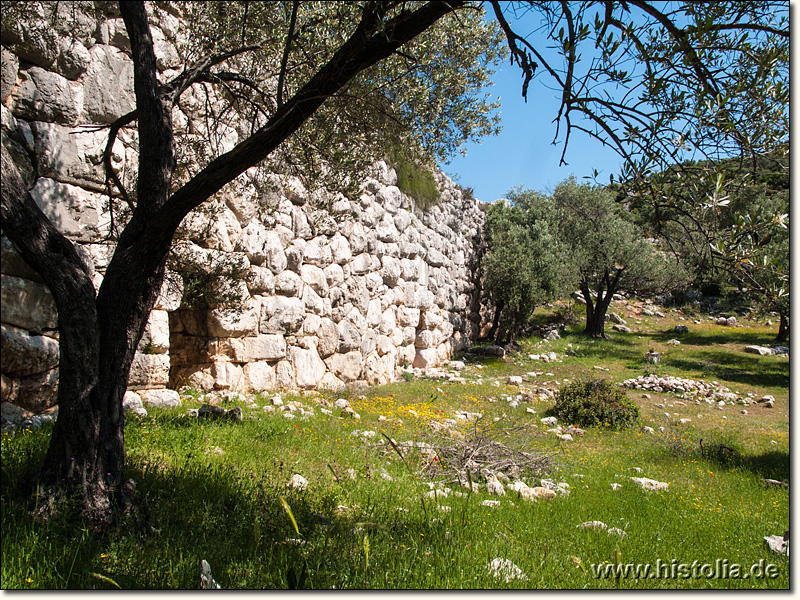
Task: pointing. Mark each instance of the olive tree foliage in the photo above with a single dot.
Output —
(320, 83)
(428, 96)
(525, 264)
(609, 253)
(694, 96)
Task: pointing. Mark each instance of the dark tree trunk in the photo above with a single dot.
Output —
(498, 311)
(596, 312)
(783, 329)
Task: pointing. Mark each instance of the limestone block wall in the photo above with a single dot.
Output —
(355, 291)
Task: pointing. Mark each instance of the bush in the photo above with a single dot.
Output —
(413, 179)
(594, 402)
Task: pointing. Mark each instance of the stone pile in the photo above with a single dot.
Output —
(336, 289)
(686, 388)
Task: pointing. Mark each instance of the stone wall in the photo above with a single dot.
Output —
(338, 289)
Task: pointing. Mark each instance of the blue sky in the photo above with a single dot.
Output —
(523, 153)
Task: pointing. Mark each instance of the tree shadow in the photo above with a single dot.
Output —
(734, 336)
(767, 465)
(742, 368)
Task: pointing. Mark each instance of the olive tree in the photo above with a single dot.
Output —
(525, 264)
(609, 252)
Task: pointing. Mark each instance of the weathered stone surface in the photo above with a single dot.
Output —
(155, 339)
(149, 371)
(281, 315)
(269, 347)
(27, 304)
(25, 354)
(160, 398)
(108, 85)
(346, 367)
(11, 263)
(75, 212)
(223, 322)
(39, 392)
(45, 96)
(308, 367)
(347, 281)
(259, 377)
(315, 277)
(253, 242)
(8, 73)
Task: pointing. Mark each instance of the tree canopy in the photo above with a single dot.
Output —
(609, 252)
(526, 263)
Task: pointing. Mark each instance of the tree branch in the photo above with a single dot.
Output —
(287, 47)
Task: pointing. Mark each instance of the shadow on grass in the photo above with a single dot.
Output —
(767, 465)
(713, 338)
(728, 366)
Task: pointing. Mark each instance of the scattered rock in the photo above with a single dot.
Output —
(650, 484)
(617, 531)
(777, 543)
(297, 482)
(206, 580)
(211, 412)
(595, 525)
(505, 569)
(549, 421)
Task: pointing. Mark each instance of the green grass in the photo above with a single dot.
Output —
(214, 490)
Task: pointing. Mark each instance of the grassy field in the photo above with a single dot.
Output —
(369, 518)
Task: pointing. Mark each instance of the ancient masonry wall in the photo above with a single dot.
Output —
(357, 291)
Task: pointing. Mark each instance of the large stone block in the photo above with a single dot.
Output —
(346, 367)
(349, 336)
(149, 371)
(308, 367)
(288, 283)
(259, 377)
(391, 198)
(340, 249)
(44, 96)
(270, 347)
(284, 375)
(74, 155)
(408, 317)
(11, 263)
(327, 338)
(315, 277)
(318, 252)
(155, 339)
(235, 322)
(253, 242)
(386, 230)
(38, 392)
(8, 73)
(426, 357)
(281, 315)
(75, 212)
(108, 85)
(227, 376)
(160, 398)
(24, 354)
(27, 304)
